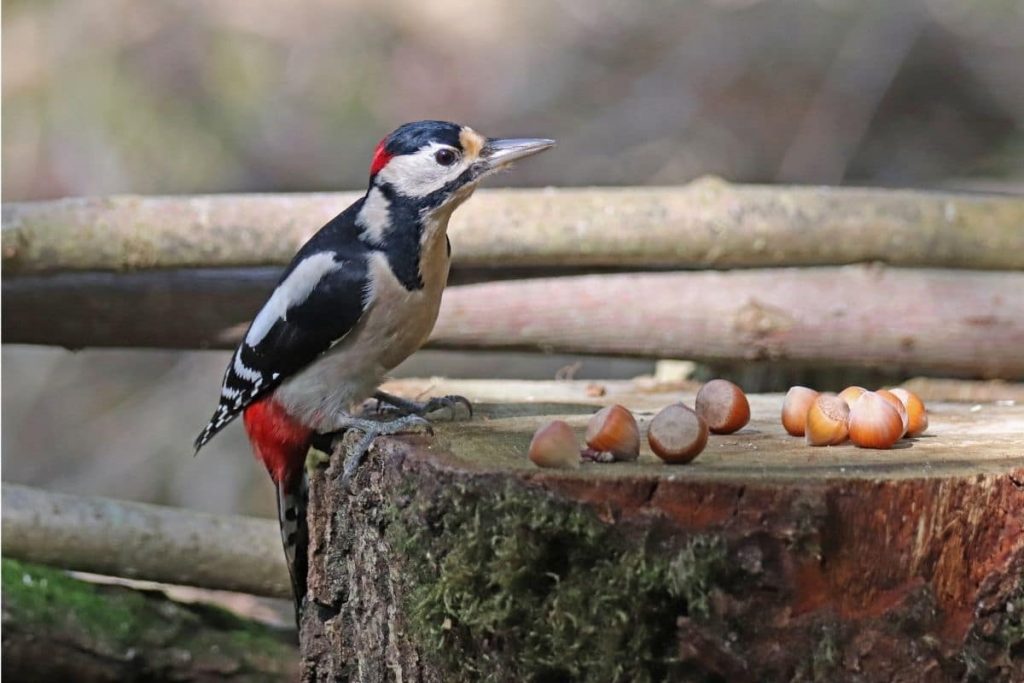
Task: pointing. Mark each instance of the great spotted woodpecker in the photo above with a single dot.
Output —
(358, 298)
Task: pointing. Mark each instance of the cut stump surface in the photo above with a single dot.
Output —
(454, 557)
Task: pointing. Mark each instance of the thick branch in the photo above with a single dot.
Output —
(954, 322)
(139, 541)
(951, 322)
(57, 628)
(708, 223)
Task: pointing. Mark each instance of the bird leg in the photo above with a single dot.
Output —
(371, 429)
(410, 407)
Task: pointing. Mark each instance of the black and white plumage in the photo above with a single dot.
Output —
(378, 268)
(318, 300)
(358, 298)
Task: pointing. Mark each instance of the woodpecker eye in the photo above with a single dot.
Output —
(445, 157)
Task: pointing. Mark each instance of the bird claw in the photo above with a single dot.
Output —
(451, 402)
(371, 429)
(409, 407)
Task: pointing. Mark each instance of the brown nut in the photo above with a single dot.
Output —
(917, 414)
(555, 445)
(896, 403)
(827, 421)
(851, 394)
(614, 430)
(677, 434)
(794, 409)
(874, 423)
(723, 405)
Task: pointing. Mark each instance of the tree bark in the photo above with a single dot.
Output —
(139, 541)
(706, 224)
(764, 560)
(57, 629)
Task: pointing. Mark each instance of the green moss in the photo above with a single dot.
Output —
(48, 596)
(511, 581)
(116, 620)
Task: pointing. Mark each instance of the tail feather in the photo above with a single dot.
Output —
(291, 513)
(221, 417)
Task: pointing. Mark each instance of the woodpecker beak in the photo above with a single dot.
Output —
(500, 152)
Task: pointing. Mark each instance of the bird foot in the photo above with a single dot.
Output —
(371, 429)
(409, 407)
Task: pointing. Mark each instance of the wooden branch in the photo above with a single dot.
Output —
(951, 322)
(139, 541)
(954, 322)
(57, 628)
(708, 223)
(190, 308)
(197, 308)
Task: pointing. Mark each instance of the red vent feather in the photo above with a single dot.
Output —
(277, 438)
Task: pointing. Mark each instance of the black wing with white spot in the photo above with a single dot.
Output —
(317, 302)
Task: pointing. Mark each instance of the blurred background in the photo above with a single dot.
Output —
(167, 97)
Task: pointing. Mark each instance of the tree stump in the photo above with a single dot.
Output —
(454, 558)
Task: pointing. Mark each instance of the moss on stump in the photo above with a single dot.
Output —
(512, 582)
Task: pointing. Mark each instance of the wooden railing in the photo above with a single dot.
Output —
(939, 293)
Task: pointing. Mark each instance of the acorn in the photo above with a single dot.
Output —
(827, 421)
(677, 434)
(613, 431)
(896, 403)
(917, 414)
(794, 409)
(555, 445)
(723, 405)
(874, 423)
(851, 394)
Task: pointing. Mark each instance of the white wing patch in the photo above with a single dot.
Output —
(295, 289)
(375, 217)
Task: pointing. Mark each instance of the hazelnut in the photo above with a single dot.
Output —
(555, 445)
(827, 421)
(896, 403)
(917, 414)
(794, 409)
(677, 434)
(613, 430)
(874, 423)
(723, 405)
(851, 394)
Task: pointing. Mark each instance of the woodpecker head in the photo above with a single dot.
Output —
(437, 165)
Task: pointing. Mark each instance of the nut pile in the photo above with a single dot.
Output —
(677, 434)
(869, 419)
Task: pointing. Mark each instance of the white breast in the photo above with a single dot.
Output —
(395, 323)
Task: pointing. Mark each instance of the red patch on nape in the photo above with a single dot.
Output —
(278, 439)
(381, 157)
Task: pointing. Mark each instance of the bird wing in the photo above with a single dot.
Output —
(317, 302)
